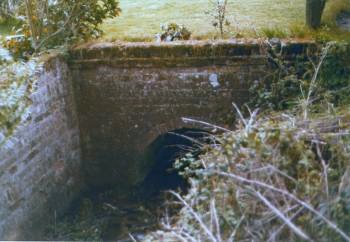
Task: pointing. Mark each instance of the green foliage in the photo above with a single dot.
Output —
(83, 20)
(53, 23)
(280, 176)
(173, 32)
(284, 87)
(20, 47)
(16, 84)
(335, 74)
(187, 165)
(299, 31)
(274, 33)
(277, 151)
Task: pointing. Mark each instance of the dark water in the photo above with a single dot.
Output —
(109, 215)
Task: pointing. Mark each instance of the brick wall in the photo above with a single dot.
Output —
(40, 162)
(93, 118)
(128, 94)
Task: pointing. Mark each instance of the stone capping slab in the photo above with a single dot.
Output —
(187, 51)
(157, 62)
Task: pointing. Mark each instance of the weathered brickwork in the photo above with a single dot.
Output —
(93, 119)
(40, 163)
(129, 94)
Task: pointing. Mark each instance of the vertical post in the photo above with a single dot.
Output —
(314, 10)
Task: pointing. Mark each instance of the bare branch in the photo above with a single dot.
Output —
(285, 219)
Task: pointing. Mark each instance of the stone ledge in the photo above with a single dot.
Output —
(157, 62)
(182, 49)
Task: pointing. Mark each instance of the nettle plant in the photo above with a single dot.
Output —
(218, 13)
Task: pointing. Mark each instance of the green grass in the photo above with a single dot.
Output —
(6, 26)
(4, 29)
(333, 8)
(141, 19)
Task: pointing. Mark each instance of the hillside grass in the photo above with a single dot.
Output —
(141, 20)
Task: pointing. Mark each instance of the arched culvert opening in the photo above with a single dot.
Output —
(109, 215)
(163, 153)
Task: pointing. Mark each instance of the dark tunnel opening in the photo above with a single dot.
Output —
(164, 151)
(107, 214)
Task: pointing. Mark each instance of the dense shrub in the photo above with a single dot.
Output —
(276, 178)
(71, 21)
(280, 176)
(52, 23)
(281, 87)
(285, 86)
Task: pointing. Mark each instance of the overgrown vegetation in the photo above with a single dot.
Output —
(283, 87)
(67, 21)
(52, 23)
(16, 84)
(40, 24)
(173, 32)
(278, 178)
(280, 175)
(20, 47)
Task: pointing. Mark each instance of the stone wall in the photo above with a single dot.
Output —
(128, 94)
(40, 162)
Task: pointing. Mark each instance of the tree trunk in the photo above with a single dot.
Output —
(31, 23)
(314, 10)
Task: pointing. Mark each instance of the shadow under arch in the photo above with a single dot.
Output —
(164, 151)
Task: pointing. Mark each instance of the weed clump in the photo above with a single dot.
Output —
(276, 178)
(173, 32)
(285, 87)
